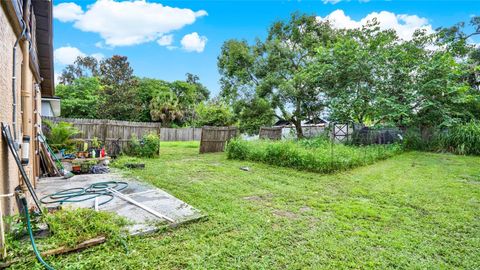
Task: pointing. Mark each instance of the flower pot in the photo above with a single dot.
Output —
(76, 168)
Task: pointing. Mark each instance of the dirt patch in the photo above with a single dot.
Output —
(305, 209)
(264, 197)
(285, 214)
(470, 179)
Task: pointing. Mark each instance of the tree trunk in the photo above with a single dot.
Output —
(298, 128)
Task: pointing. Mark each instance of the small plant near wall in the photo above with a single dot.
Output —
(148, 146)
(60, 135)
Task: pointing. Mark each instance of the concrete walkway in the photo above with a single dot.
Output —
(150, 196)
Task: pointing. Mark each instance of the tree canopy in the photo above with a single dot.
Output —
(305, 68)
(109, 89)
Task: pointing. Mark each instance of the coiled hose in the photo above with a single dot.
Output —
(72, 195)
(30, 233)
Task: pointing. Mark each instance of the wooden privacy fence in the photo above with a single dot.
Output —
(271, 133)
(214, 139)
(113, 132)
(180, 134)
(110, 132)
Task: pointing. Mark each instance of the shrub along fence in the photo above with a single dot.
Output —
(116, 134)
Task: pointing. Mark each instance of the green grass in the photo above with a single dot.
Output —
(317, 155)
(67, 228)
(412, 211)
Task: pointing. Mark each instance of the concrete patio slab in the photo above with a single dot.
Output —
(148, 195)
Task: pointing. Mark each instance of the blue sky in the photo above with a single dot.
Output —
(166, 43)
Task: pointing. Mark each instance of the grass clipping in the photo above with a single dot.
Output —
(315, 155)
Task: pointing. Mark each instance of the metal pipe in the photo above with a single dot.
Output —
(14, 81)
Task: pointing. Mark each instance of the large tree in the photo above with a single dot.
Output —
(370, 76)
(86, 66)
(118, 98)
(275, 69)
(349, 72)
(202, 92)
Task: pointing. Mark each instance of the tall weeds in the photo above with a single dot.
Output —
(311, 155)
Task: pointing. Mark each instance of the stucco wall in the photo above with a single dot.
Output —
(8, 169)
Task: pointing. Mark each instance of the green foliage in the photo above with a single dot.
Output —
(463, 139)
(174, 104)
(122, 160)
(413, 140)
(214, 113)
(279, 218)
(254, 114)
(95, 142)
(365, 75)
(202, 92)
(276, 69)
(147, 90)
(319, 156)
(67, 228)
(108, 89)
(148, 146)
(80, 98)
(165, 107)
(119, 99)
(60, 135)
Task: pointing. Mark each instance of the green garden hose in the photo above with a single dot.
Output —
(30, 232)
(93, 191)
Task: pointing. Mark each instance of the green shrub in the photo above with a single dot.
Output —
(317, 155)
(121, 161)
(412, 140)
(60, 135)
(148, 146)
(320, 141)
(463, 139)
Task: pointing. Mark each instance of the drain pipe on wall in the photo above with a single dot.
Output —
(14, 83)
(27, 86)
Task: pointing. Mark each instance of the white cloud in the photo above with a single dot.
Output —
(67, 12)
(98, 56)
(67, 55)
(333, 2)
(165, 40)
(404, 24)
(56, 78)
(193, 42)
(128, 22)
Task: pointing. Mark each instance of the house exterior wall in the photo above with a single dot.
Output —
(25, 93)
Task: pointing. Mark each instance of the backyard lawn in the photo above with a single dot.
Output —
(414, 210)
